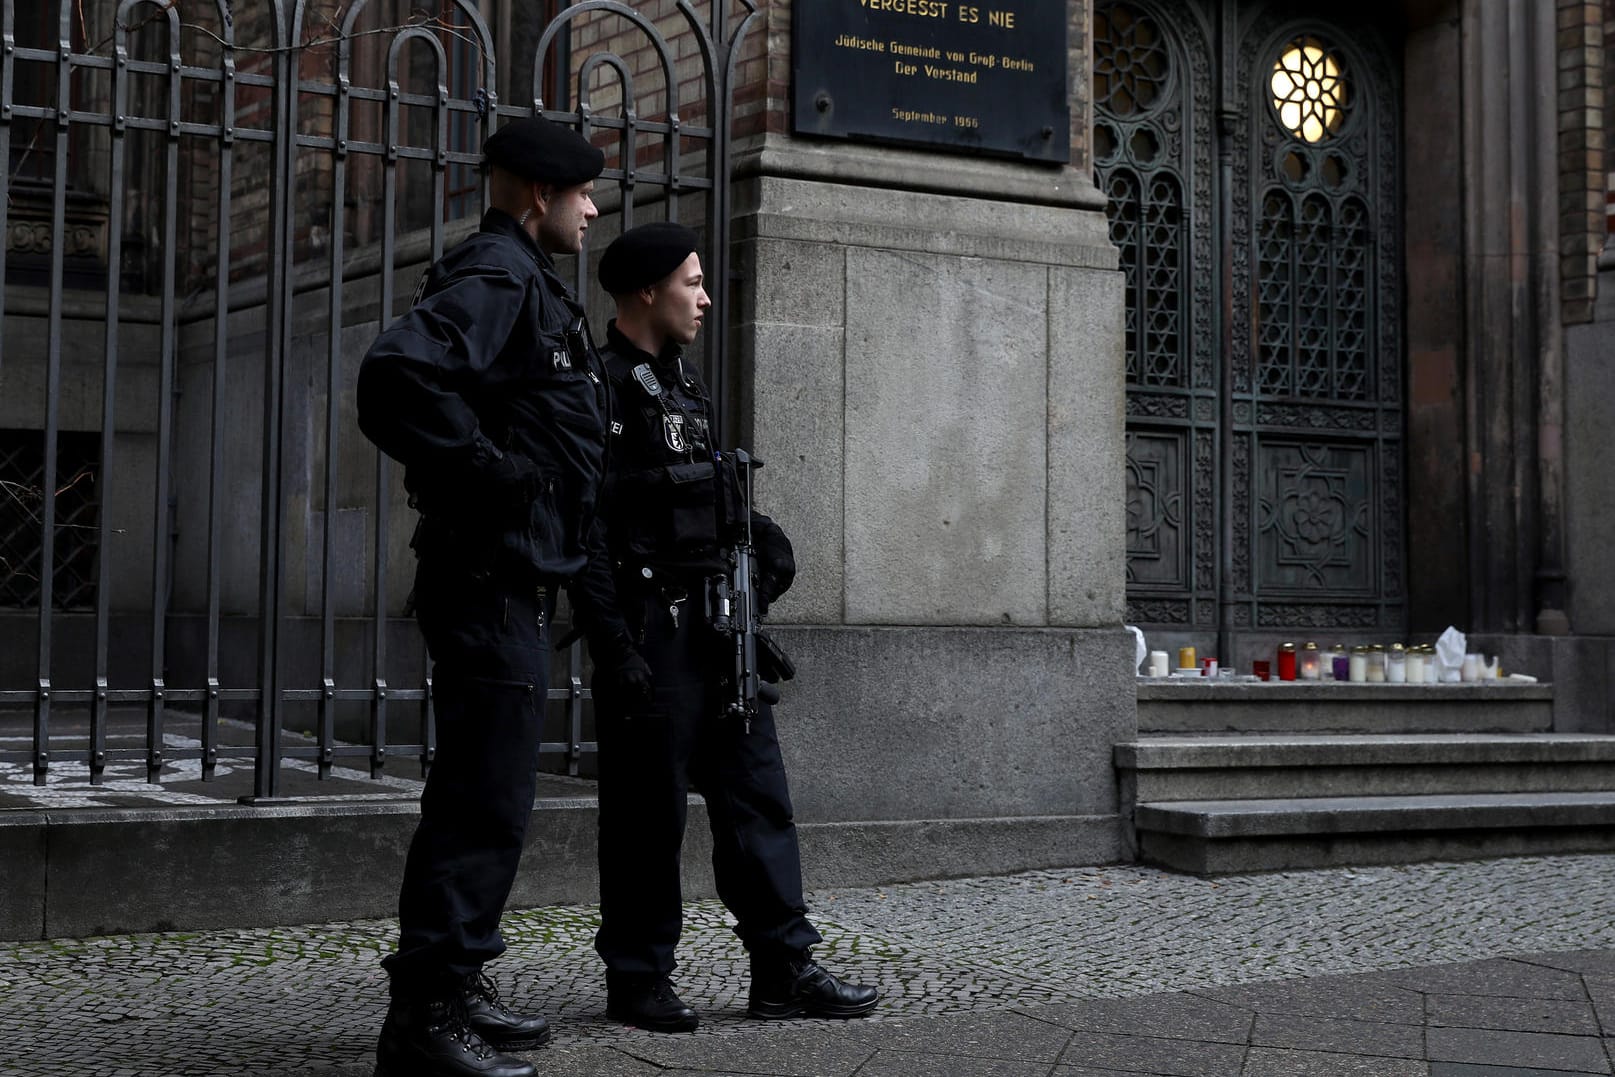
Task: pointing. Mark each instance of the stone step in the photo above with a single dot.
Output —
(1225, 836)
(1155, 769)
(1186, 706)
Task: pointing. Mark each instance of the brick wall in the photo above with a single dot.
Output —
(1609, 80)
(762, 104)
(1583, 182)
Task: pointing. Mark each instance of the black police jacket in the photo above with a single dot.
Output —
(673, 503)
(490, 393)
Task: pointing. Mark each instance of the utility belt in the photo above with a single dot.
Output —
(683, 592)
(694, 598)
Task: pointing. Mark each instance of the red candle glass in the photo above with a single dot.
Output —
(1287, 662)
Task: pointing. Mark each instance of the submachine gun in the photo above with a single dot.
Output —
(733, 599)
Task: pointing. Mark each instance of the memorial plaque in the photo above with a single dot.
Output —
(985, 78)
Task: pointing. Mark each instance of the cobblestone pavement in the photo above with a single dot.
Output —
(308, 1000)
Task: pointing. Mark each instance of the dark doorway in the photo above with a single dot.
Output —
(1250, 156)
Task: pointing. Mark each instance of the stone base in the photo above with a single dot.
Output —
(891, 724)
(96, 872)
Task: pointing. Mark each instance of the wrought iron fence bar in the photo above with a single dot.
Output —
(440, 164)
(428, 726)
(109, 390)
(670, 151)
(387, 269)
(326, 719)
(573, 694)
(616, 123)
(266, 776)
(216, 434)
(28, 52)
(8, 48)
(20, 698)
(213, 130)
(566, 748)
(53, 377)
(377, 149)
(162, 511)
(327, 756)
(350, 695)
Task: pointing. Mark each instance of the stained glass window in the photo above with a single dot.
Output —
(1309, 90)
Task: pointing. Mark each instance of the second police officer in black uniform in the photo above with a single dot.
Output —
(672, 509)
(490, 393)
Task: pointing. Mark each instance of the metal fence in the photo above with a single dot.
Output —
(209, 213)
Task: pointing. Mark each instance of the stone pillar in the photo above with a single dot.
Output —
(933, 354)
(1512, 366)
(1438, 570)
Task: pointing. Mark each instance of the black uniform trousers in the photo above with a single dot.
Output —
(649, 760)
(488, 637)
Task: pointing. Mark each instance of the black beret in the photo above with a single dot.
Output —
(536, 149)
(642, 256)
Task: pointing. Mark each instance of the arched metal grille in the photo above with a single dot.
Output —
(254, 189)
(1263, 420)
(1152, 145)
(1315, 365)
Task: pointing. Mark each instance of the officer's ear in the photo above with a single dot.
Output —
(647, 295)
(542, 194)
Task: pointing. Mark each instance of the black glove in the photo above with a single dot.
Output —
(631, 681)
(776, 560)
(769, 588)
(513, 482)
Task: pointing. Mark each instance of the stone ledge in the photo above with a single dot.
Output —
(1190, 706)
(1179, 689)
(897, 168)
(1363, 750)
(114, 871)
(1248, 855)
(1321, 816)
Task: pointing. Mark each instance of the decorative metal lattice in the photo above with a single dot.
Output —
(1152, 94)
(1292, 372)
(1316, 360)
(1309, 89)
(22, 492)
(1131, 61)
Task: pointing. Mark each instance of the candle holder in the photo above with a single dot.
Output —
(1376, 664)
(1415, 665)
(1287, 662)
(1396, 665)
(1311, 666)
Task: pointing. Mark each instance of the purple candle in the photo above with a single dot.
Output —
(1342, 666)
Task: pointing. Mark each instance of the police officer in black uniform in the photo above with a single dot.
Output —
(491, 395)
(673, 507)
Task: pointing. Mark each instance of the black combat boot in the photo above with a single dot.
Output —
(502, 1027)
(433, 1038)
(795, 986)
(648, 1002)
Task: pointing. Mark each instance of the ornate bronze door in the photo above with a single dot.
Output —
(1249, 156)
